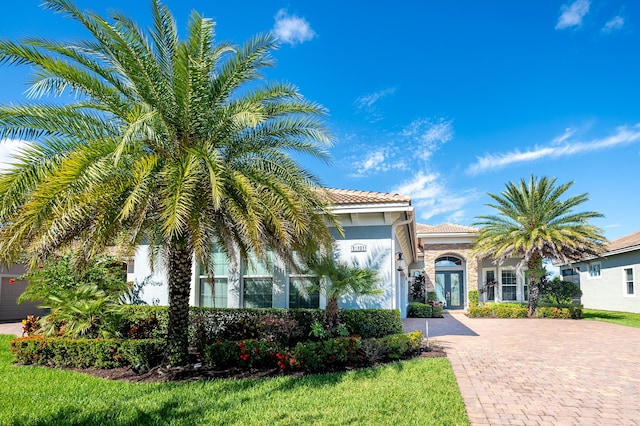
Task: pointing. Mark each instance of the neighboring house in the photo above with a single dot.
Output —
(10, 289)
(452, 271)
(379, 232)
(609, 282)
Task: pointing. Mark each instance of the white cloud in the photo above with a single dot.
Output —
(292, 29)
(430, 196)
(367, 104)
(428, 135)
(421, 138)
(377, 161)
(8, 148)
(572, 14)
(369, 100)
(559, 147)
(614, 24)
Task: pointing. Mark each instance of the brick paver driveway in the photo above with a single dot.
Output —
(544, 371)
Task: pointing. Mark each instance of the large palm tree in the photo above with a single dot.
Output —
(179, 144)
(535, 224)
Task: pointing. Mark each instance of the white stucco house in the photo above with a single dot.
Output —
(609, 282)
(379, 232)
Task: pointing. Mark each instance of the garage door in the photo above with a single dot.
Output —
(9, 308)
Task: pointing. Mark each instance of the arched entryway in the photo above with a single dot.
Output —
(449, 281)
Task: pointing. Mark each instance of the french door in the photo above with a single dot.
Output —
(450, 288)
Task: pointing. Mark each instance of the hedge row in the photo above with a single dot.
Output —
(84, 353)
(147, 353)
(560, 311)
(499, 310)
(311, 355)
(516, 310)
(288, 326)
(423, 310)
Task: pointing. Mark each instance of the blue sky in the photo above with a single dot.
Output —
(441, 101)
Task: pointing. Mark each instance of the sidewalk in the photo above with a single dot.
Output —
(11, 328)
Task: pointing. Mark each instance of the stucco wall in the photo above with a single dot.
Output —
(608, 291)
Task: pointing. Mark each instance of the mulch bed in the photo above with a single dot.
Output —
(189, 373)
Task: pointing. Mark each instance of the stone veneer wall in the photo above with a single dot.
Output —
(462, 250)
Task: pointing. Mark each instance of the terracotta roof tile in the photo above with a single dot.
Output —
(445, 228)
(349, 196)
(625, 242)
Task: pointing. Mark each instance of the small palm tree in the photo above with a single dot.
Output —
(338, 279)
(179, 144)
(535, 224)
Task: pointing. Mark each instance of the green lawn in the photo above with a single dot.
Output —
(622, 318)
(417, 392)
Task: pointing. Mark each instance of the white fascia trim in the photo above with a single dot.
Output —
(372, 208)
(448, 234)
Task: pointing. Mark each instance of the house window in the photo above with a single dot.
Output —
(258, 293)
(258, 283)
(304, 293)
(525, 289)
(628, 278)
(213, 296)
(490, 284)
(509, 283)
(594, 270)
(448, 261)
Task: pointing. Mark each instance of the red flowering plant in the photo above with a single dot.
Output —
(250, 353)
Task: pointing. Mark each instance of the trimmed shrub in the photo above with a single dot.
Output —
(287, 326)
(242, 354)
(499, 310)
(85, 353)
(399, 345)
(436, 311)
(473, 298)
(560, 311)
(368, 323)
(419, 310)
(311, 355)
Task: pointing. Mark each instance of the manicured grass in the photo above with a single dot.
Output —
(622, 318)
(417, 392)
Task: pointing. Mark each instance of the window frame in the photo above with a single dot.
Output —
(626, 282)
(485, 280)
(513, 285)
(594, 265)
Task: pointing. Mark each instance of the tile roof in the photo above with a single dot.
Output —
(445, 228)
(625, 242)
(349, 196)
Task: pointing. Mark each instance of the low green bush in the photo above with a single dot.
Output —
(419, 310)
(499, 310)
(560, 311)
(399, 345)
(368, 323)
(85, 353)
(288, 326)
(313, 356)
(243, 354)
(473, 298)
(436, 311)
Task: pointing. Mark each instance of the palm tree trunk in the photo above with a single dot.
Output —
(331, 312)
(535, 273)
(179, 265)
